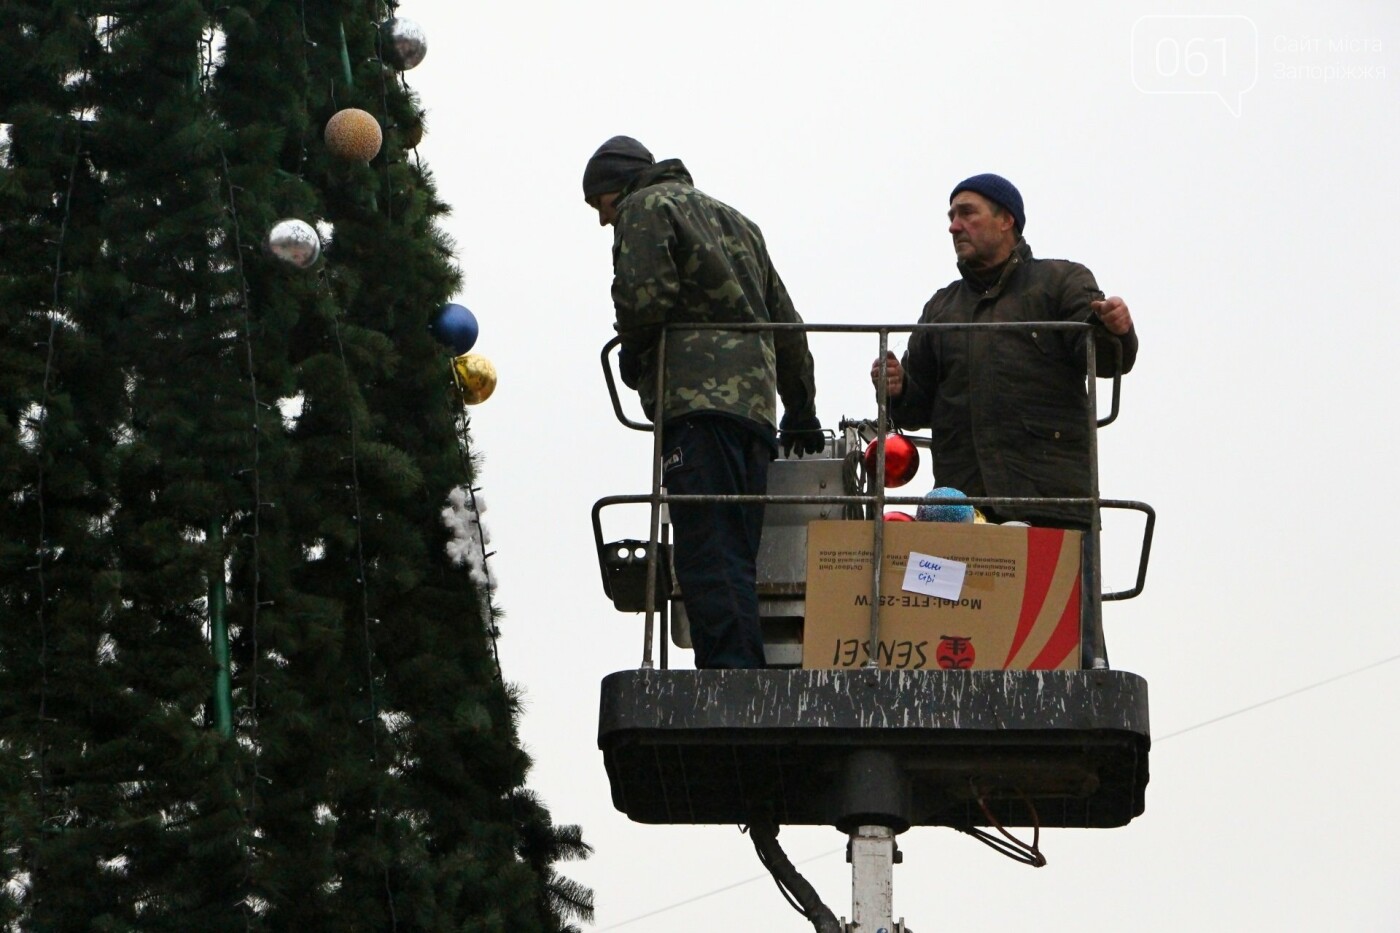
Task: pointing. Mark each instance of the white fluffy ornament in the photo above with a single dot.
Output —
(469, 537)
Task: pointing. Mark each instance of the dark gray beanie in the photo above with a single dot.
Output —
(614, 165)
(998, 189)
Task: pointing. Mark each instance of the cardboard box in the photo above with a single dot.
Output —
(1018, 605)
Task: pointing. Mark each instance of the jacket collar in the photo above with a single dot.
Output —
(667, 170)
(993, 280)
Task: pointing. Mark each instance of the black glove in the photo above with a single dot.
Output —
(802, 433)
(629, 367)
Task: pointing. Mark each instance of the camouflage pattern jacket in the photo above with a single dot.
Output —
(681, 257)
(1008, 410)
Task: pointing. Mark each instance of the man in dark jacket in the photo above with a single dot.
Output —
(681, 257)
(1008, 410)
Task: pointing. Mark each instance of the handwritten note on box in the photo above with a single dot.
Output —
(934, 576)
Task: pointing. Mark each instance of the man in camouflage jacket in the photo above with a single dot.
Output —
(681, 257)
(1008, 410)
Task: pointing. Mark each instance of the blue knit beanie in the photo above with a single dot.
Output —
(998, 189)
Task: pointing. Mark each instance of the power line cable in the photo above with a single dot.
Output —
(701, 897)
(1281, 696)
(1199, 725)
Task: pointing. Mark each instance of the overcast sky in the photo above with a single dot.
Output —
(1228, 170)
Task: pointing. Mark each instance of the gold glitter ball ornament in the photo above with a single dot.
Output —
(475, 376)
(354, 134)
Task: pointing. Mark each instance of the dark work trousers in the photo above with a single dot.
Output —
(716, 545)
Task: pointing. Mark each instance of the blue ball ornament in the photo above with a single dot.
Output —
(944, 511)
(456, 326)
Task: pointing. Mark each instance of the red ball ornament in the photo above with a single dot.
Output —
(901, 460)
(898, 517)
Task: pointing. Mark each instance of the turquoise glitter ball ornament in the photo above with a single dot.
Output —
(946, 511)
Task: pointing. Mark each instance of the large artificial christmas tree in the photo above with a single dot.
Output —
(242, 684)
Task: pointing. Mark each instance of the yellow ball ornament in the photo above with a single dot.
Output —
(475, 376)
(354, 134)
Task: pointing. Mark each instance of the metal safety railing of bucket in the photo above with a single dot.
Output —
(876, 501)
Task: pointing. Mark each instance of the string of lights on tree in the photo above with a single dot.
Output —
(355, 135)
(255, 683)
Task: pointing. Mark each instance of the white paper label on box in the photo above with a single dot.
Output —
(934, 576)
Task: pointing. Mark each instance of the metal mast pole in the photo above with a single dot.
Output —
(872, 879)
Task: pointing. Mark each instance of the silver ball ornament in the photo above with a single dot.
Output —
(403, 43)
(293, 242)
